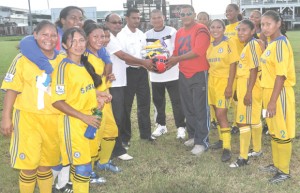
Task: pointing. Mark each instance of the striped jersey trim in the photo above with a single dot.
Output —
(61, 73)
(253, 53)
(67, 134)
(279, 51)
(15, 141)
(283, 101)
(12, 68)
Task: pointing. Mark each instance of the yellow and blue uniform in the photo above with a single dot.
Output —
(278, 60)
(74, 85)
(108, 128)
(220, 57)
(249, 116)
(33, 127)
(231, 32)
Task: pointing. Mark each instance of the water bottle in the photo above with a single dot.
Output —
(90, 131)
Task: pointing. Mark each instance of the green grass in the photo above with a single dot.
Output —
(167, 166)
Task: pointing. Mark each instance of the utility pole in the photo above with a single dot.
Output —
(191, 2)
(30, 19)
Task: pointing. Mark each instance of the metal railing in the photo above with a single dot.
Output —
(268, 2)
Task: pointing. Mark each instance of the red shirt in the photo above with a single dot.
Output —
(197, 40)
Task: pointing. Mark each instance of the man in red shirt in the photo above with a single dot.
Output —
(191, 43)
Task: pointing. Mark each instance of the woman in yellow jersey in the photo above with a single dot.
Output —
(222, 57)
(108, 130)
(249, 94)
(255, 17)
(34, 145)
(233, 16)
(74, 94)
(277, 81)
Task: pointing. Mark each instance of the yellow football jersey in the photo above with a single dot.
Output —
(220, 57)
(231, 32)
(278, 60)
(249, 59)
(99, 65)
(73, 84)
(22, 77)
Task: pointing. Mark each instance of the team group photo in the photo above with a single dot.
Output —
(157, 97)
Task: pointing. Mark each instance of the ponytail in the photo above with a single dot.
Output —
(91, 70)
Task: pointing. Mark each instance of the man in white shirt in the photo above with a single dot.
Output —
(167, 80)
(132, 41)
(114, 23)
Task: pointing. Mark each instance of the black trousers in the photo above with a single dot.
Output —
(193, 95)
(137, 84)
(159, 100)
(118, 107)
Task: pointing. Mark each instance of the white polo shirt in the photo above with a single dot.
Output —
(119, 66)
(168, 34)
(132, 43)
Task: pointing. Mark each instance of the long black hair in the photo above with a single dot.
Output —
(65, 12)
(69, 33)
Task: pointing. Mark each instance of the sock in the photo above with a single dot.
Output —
(26, 182)
(45, 180)
(234, 107)
(256, 137)
(245, 137)
(55, 172)
(63, 177)
(219, 132)
(72, 173)
(93, 162)
(226, 135)
(284, 155)
(107, 145)
(275, 155)
(81, 184)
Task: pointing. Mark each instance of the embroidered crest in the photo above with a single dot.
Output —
(22, 156)
(220, 50)
(77, 154)
(60, 89)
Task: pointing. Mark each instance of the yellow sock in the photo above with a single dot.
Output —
(72, 173)
(245, 138)
(93, 161)
(107, 145)
(285, 153)
(256, 137)
(275, 155)
(27, 182)
(226, 135)
(45, 180)
(219, 132)
(81, 184)
(234, 107)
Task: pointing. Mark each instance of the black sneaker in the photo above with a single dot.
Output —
(217, 145)
(68, 188)
(279, 177)
(239, 163)
(235, 130)
(226, 155)
(269, 168)
(265, 129)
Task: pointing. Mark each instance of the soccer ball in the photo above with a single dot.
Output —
(159, 62)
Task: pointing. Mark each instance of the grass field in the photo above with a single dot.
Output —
(167, 166)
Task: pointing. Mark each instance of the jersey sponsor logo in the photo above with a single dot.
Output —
(8, 77)
(60, 89)
(268, 53)
(220, 50)
(87, 88)
(22, 156)
(77, 154)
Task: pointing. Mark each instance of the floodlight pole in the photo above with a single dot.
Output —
(191, 2)
(30, 19)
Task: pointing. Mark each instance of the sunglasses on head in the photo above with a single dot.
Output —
(186, 14)
(116, 22)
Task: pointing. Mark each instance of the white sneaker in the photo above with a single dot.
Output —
(198, 150)
(180, 133)
(160, 130)
(189, 143)
(125, 157)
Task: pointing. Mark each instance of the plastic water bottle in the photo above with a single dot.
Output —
(90, 131)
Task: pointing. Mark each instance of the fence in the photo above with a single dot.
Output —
(13, 30)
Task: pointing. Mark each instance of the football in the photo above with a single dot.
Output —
(159, 62)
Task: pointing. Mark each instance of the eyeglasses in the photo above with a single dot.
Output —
(186, 14)
(116, 22)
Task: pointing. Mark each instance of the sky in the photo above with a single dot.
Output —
(102, 5)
